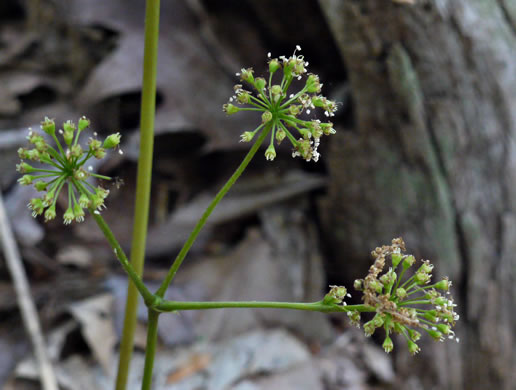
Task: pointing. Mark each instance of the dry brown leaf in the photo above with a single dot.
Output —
(196, 363)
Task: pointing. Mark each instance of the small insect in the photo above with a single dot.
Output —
(118, 182)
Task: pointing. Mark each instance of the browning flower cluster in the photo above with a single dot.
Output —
(402, 306)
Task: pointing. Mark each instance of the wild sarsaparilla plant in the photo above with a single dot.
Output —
(399, 304)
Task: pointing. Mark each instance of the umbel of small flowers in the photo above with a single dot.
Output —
(403, 306)
(64, 168)
(281, 108)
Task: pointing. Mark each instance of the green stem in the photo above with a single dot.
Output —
(120, 255)
(191, 239)
(150, 348)
(167, 306)
(143, 186)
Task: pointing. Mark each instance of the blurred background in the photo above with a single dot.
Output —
(425, 149)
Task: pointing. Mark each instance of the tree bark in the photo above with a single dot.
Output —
(432, 157)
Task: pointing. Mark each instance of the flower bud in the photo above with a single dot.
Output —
(49, 126)
(78, 213)
(401, 293)
(270, 153)
(396, 259)
(274, 65)
(280, 135)
(412, 347)
(246, 136)
(276, 92)
(230, 109)
(50, 213)
(443, 285)
(295, 109)
(84, 201)
(83, 123)
(408, 261)
(312, 84)
(247, 75)
(266, 117)
(23, 167)
(259, 83)
(76, 151)
(112, 141)
(68, 216)
(388, 345)
(26, 180)
(435, 334)
(358, 284)
(41, 185)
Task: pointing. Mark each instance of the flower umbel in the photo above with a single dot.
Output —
(404, 306)
(281, 109)
(64, 167)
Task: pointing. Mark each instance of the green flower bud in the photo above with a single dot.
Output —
(68, 216)
(247, 75)
(274, 65)
(99, 154)
(422, 278)
(443, 285)
(443, 328)
(276, 92)
(412, 347)
(280, 135)
(328, 128)
(266, 117)
(259, 83)
(69, 129)
(305, 133)
(26, 180)
(50, 213)
(94, 144)
(430, 315)
(295, 109)
(378, 320)
(41, 185)
(230, 109)
(270, 153)
(358, 284)
(48, 126)
(83, 123)
(80, 174)
(435, 334)
(84, 201)
(414, 334)
(23, 167)
(376, 285)
(78, 213)
(247, 136)
(388, 345)
(112, 141)
(33, 155)
(312, 84)
(408, 261)
(401, 293)
(396, 259)
(369, 328)
(37, 207)
(76, 151)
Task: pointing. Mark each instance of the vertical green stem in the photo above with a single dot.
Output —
(143, 184)
(191, 239)
(150, 348)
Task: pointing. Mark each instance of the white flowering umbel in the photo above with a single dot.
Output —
(281, 108)
(402, 306)
(64, 167)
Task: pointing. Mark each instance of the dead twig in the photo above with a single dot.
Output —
(25, 302)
